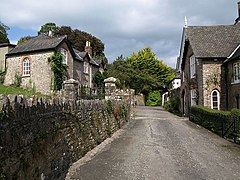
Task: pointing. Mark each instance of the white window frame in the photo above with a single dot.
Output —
(85, 67)
(193, 94)
(26, 67)
(192, 66)
(218, 99)
(236, 72)
(64, 55)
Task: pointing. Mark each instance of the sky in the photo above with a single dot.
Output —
(124, 26)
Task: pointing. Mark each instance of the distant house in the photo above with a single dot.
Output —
(171, 89)
(87, 67)
(29, 62)
(202, 53)
(4, 49)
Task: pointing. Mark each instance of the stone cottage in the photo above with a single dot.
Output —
(203, 51)
(85, 70)
(28, 61)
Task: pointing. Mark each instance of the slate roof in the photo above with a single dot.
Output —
(6, 44)
(82, 55)
(235, 55)
(213, 41)
(38, 43)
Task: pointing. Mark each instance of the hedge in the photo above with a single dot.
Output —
(223, 123)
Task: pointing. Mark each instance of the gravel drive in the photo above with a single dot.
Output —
(158, 145)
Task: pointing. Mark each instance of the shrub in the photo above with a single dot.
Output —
(154, 98)
(224, 123)
(172, 105)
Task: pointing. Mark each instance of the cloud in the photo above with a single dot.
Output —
(124, 26)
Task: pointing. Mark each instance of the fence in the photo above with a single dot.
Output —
(224, 123)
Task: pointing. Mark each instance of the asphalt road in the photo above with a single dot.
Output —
(158, 145)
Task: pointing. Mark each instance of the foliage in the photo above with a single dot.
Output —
(78, 39)
(49, 27)
(24, 39)
(3, 33)
(59, 69)
(17, 79)
(220, 122)
(98, 79)
(141, 71)
(118, 83)
(154, 98)
(173, 105)
(2, 75)
(18, 91)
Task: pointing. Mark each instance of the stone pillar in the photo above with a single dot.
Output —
(110, 88)
(71, 89)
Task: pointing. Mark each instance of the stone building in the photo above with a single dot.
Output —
(231, 81)
(28, 61)
(4, 49)
(202, 53)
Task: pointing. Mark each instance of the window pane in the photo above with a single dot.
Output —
(26, 67)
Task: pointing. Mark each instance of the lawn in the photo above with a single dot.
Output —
(18, 91)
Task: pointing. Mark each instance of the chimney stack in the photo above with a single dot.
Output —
(238, 18)
(88, 48)
(238, 9)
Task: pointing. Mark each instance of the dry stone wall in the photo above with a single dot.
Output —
(40, 139)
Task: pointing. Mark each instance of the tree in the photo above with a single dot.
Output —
(143, 72)
(78, 40)
(46, 28)
(3, 33)
(24, 39)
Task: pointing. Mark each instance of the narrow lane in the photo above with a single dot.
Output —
(159, 145)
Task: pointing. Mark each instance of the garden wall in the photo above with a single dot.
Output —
(40, 139)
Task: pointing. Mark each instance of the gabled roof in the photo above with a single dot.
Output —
(82, 55)
(213, 41)
(38, 43)
(7, 45)
(235, 54)
(78, 54)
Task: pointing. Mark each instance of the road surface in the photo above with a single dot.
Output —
(158, 145)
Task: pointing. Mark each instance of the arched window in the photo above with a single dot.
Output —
(215, 100)
(26, 67)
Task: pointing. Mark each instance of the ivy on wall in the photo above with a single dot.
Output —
(59, 69)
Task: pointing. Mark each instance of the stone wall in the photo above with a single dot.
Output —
(40, 139)
(211, 79)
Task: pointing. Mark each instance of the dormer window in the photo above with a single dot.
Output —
(192, 66)
(64, 55)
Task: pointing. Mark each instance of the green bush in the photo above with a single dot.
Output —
(154, 98)
(224, 123)
(172, 105)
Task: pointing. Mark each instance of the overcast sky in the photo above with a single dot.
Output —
(125, 26)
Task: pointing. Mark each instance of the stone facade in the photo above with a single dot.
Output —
(206, 79)
(4, 49)
(41, 139)
(231, 89)
(211, 80)
(41, 75)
